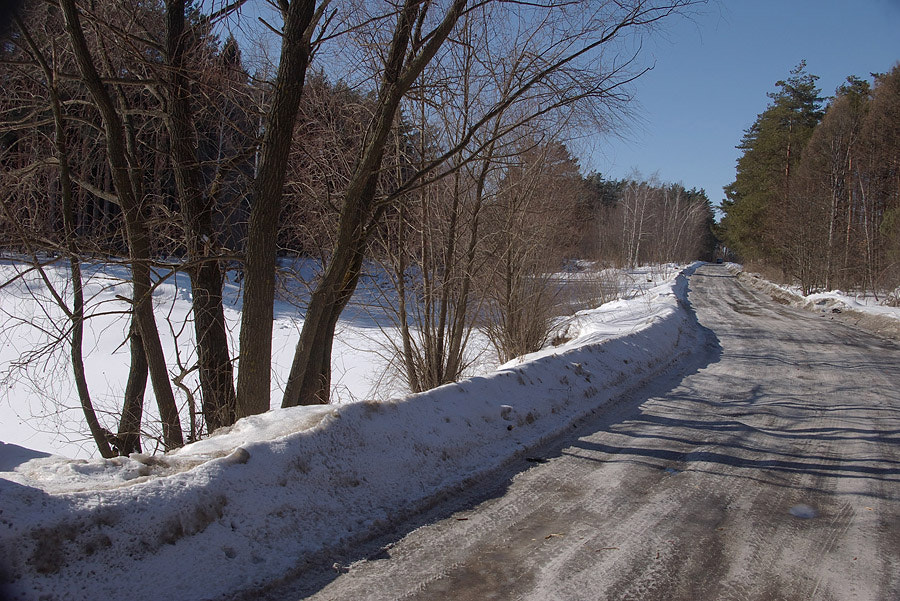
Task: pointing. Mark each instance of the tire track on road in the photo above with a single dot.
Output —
(685, 493)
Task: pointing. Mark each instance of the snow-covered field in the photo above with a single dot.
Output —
(39, 406)
(248, 504)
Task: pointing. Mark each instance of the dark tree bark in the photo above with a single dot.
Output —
(254, 374)
(310, 376)
(135, 216)
(216, 376)
(128, 439)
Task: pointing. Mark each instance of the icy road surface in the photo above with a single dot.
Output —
(770, 472)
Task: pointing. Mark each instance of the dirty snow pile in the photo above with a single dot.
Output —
(835, 299)
(254, 502)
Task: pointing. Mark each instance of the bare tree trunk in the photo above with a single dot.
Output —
(457, 333)
(866, 217)
(409, 364)
(850, 215)
(129, 434)
(216, 377)
(100, 435)
(453, 361)
(138, 236)
(310, 376)
(832, 217)
(309, 379)
(255, 367)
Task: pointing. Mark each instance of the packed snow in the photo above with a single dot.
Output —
(257, 500)
(877, 314)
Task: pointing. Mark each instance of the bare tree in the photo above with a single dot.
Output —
(135, 215)
(216, 377)
(75, 314)
(533, 222)
(69, 204)
(410, 50)
(878, 182)
(635, 206)
(301, 18)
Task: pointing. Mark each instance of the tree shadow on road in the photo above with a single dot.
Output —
(316, 574)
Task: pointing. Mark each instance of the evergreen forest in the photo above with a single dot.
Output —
(816, 196)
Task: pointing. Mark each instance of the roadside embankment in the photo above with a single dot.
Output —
(834, 308)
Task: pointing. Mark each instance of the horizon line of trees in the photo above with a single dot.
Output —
(817, 188)
(129, 131)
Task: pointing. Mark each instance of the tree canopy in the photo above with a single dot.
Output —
(771, 151)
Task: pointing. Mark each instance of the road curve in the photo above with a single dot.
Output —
(770, 471)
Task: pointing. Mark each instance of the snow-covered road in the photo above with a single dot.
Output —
(770, 471)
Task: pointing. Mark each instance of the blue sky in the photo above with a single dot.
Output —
(712, 74)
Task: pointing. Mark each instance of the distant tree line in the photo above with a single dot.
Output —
(637, 221)
(130, 132)
(817, 189)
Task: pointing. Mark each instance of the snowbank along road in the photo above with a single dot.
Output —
(259, 502)
(771, 471)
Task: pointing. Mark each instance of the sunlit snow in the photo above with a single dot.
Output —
(257, 500)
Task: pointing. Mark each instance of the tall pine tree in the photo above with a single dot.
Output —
(771, 150)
